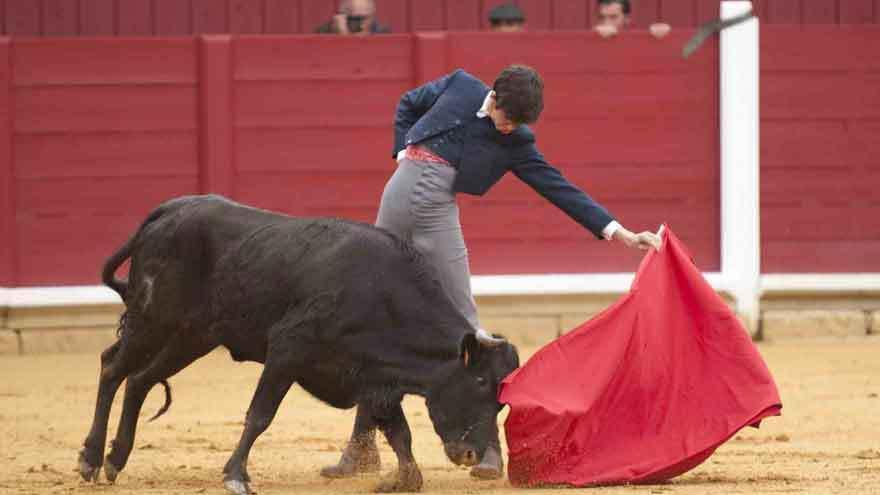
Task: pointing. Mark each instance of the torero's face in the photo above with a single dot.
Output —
(503, 124)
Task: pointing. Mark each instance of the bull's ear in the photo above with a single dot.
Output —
(470, 349)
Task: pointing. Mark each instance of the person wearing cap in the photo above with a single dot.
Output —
(507, 18)
(456, 135)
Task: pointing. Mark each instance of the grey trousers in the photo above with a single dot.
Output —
(418, 205)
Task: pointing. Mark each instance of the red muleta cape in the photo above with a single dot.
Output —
(643, 392)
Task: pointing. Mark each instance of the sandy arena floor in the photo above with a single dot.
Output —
(827, 441)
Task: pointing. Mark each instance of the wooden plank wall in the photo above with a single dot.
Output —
(179, 17)
(819, 11)
(104, 130)
(820, 152)
(313, 135)
(101, 133)
(98, 132)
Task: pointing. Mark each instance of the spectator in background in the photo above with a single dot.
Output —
(507, 18)
(355, 17)
(613, 16)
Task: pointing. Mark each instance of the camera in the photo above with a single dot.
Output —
(355, 23)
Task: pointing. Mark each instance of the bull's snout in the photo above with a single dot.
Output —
(462, 453)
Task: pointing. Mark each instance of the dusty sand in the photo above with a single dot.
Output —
(827, 441)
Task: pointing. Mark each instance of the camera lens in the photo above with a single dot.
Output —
(355, 23)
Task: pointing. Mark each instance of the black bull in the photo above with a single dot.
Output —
(348, 311)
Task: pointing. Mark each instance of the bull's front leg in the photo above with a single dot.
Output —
(274, 383)
(393, 424)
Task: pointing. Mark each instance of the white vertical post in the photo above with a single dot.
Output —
(740, 186)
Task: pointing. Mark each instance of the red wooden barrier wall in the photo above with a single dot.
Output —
(181, 17)
(818, 11)
(96, 132)
(8, 237)
(313, 134)
(178, 17)
(103, 130)
(820, 149)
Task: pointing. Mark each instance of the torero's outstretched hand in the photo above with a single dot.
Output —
(642, 240)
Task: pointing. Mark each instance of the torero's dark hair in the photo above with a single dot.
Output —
(519, 91)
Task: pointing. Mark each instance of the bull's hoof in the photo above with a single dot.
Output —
(110, 471)
(491, 467)
(348, 470)
(337, 472)
(238, 487)
(87, 470)
(408, 479)
(486, 473)
(354, 462)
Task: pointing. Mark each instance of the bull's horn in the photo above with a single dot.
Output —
(486, 338)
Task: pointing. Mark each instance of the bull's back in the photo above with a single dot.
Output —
(210, 263)
(228, 261)
(284, 261)
(207, 238)
(344, 295)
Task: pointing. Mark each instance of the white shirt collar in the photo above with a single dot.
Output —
(483, 112)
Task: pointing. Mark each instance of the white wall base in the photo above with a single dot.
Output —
(71, 295)
(608, 283)
(495, 285)
(821, 283)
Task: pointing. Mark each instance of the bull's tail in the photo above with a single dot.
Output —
(162, 410)
(108, 274)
